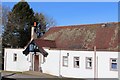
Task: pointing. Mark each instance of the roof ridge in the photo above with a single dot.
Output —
(81, 25)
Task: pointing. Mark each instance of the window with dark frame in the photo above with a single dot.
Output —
(113, 64)
(65, 61)
(31, 47)
(15, 57)
(89, 62)
(76, 62)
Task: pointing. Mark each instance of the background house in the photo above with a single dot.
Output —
(78, 51)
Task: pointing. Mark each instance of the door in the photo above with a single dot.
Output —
(36, 63)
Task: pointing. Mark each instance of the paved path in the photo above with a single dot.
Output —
(42, 75)
(29, 74)
(32, 75)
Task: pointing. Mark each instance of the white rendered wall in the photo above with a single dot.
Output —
(22, 63)
(104, 64)
(51, 64)
(80, 72)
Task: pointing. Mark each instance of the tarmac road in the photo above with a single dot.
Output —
(26, 76)
(32, 75)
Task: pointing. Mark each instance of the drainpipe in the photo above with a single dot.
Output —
(60, 64)
(95, 63)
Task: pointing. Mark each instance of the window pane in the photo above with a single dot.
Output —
(76, 62)
(65, 58)
(31, 47)
(89, 59)
(88, 65)
(114, 60)
(65, 61)
(77, 58)
(15, 57)
(114, 65)
(89, 62)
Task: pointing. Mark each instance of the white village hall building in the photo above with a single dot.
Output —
(78, 51)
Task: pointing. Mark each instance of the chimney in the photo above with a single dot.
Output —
(33, 34)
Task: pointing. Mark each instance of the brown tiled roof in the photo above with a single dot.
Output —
(45, 43)
(82, 37)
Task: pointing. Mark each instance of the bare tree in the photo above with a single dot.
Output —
(50, 22)
(4, 15)
(0, 14)
(5, 11)
(44, 23)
